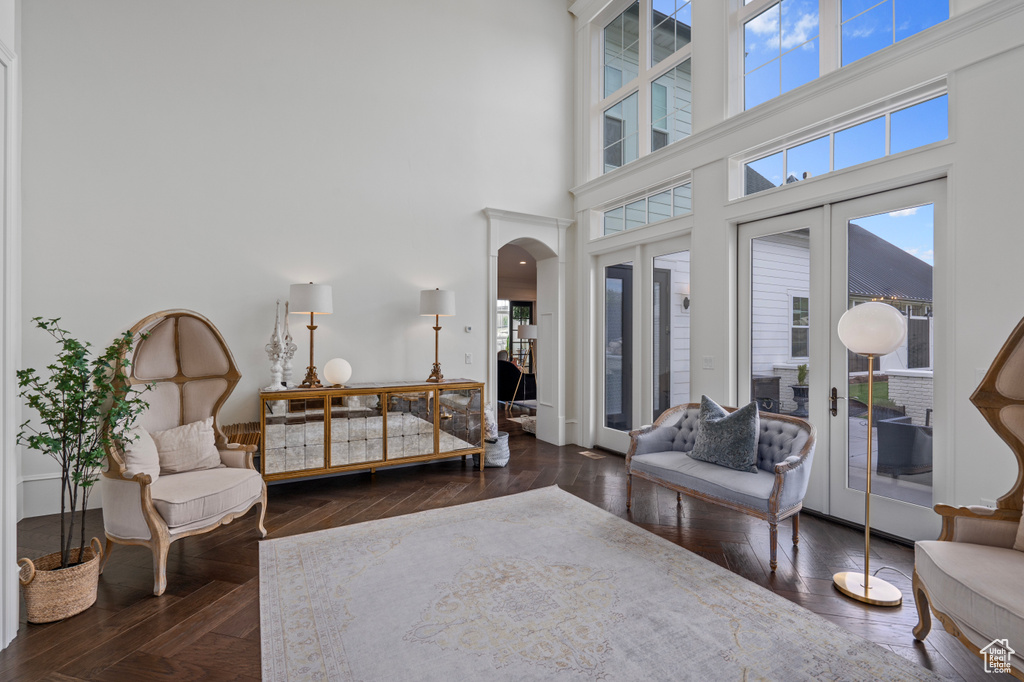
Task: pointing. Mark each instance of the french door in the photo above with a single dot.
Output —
(798, 274)
(643, 336)
(884, 249)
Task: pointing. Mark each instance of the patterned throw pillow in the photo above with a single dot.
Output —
(729, 440)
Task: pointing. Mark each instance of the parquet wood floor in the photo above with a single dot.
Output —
(206, 626)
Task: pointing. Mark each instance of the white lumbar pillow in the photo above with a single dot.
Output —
(187, 448)
(140, 454)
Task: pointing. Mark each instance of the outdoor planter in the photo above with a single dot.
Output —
(800, 397)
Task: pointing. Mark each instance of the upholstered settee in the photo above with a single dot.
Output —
(785, 448)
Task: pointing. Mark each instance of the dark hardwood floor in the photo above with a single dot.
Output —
(206, 626)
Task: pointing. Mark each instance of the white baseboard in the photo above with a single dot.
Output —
(39, 495)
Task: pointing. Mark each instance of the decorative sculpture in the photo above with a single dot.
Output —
(288, 349)
(275, 351)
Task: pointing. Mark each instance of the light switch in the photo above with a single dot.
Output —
(709, 362)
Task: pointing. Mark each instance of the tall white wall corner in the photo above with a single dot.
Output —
(10, 338)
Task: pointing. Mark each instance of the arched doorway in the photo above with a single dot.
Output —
(543, 239)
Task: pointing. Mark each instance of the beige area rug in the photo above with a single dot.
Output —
(534, 586)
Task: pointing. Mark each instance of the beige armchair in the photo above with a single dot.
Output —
(192, 372)
(971, 577)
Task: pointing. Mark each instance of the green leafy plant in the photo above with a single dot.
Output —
(82, 409)
(801, 375)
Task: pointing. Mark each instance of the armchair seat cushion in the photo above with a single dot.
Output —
(196, 496)
(981, 587)
(678, 468)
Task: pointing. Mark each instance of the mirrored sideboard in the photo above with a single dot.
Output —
(314, 432)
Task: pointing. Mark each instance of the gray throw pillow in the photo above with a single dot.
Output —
(729, 440)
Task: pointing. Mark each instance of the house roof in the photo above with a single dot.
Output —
(881, 269)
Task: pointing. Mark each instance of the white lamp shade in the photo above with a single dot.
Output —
(310, 298)
(527, 331)
(337, 371)
(872, 328)
(437, 302)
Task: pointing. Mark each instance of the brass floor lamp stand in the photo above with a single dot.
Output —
(862, 586)
(435, 372)
(311, 380)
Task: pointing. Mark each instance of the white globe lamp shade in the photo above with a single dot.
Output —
(337, 371)
(872, 328)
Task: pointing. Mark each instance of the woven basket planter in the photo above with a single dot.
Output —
(496, 454)
(54, 593)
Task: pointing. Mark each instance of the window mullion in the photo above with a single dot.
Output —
(828, 36)
(644, 71)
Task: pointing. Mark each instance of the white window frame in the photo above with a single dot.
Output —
(794, 294)
(641, 84)
(885, 107)
(828, 44)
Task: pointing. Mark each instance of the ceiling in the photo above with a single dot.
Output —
(510, 258)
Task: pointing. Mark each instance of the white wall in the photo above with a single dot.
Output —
(208, 154)
(981, 53)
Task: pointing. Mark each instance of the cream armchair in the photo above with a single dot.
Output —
(971, 577)
(192, 372)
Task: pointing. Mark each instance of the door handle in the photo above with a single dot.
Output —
(833, 402)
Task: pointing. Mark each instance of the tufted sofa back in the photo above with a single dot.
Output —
(779, 438)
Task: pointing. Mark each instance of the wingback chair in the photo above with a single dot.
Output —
(192, 372)
(971, 577)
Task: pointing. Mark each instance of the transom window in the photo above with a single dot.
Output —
(907, 128)
(870, 25)
(646, 103)
(780, 50)
(650, 209)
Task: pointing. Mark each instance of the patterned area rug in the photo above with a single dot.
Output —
(539, 585)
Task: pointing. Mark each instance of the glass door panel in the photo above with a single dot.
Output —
(618, 347)
(783, 331)
(884, 249)
(890, 259)
(670, 352)
(780, 286)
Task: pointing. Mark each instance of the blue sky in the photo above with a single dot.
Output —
(911, 229)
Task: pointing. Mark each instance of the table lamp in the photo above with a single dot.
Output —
(314, 299)
(871, 329)
(439, 304)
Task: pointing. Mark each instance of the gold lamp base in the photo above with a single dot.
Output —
(878, 592)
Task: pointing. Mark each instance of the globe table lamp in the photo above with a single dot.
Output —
(312, 299)
(439, 304)
(871, 329)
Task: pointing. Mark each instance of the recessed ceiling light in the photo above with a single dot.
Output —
(522, 262)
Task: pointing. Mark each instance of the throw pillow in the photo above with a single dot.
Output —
(140, 454)
(187, 448)
(729, 440)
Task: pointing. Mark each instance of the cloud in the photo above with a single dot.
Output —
(928, 255)
(806, 28)
(904, 212)
(765, 24)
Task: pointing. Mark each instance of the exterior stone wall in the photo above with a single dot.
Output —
(912, 388)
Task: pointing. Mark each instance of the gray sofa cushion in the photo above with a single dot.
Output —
(777, 441)
(725, 439)
(686, 433)
(721, 482)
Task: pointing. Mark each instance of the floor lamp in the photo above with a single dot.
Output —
(526, 332)
(872, 329)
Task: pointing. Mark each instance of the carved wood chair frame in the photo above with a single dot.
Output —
(241, 455)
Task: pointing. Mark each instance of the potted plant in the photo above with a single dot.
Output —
(79, 413)
(800, 391)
